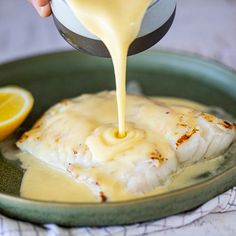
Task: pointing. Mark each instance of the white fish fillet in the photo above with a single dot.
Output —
(59, 139)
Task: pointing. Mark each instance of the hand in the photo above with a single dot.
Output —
(42, 6)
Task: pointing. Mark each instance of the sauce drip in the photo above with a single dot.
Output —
(117, 24)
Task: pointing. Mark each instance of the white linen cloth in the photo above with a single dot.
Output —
(223, 203)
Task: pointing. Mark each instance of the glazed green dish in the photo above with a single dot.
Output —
(55, 76)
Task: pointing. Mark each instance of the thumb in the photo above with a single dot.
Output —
(43, 11)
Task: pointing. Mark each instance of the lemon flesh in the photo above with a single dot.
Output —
(15, 105)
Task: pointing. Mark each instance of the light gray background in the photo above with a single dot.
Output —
(206, 27)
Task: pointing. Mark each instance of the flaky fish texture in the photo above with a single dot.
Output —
(176, 136)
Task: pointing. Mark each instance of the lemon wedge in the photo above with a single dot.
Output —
(15, 105)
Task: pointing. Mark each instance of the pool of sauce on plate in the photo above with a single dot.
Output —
(42, 182)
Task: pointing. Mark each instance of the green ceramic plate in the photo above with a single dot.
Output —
(60, 75)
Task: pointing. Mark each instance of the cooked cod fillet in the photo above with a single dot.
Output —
(77, 136)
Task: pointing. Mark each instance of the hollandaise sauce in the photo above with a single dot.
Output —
(117, 24)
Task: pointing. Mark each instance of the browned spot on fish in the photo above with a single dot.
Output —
(23, 137)
(20, 140)
(185, 137)
(182, 124)
(103, 197)
(75, 151)
(227, 124)
(26, 135)
(57, 139)
(208, 117)
(65, 101)
(156, 155)
(38, 122)
(167, 112)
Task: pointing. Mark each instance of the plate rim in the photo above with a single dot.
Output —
(167, 52)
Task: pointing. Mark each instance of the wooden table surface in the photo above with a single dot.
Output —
(206, 27)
